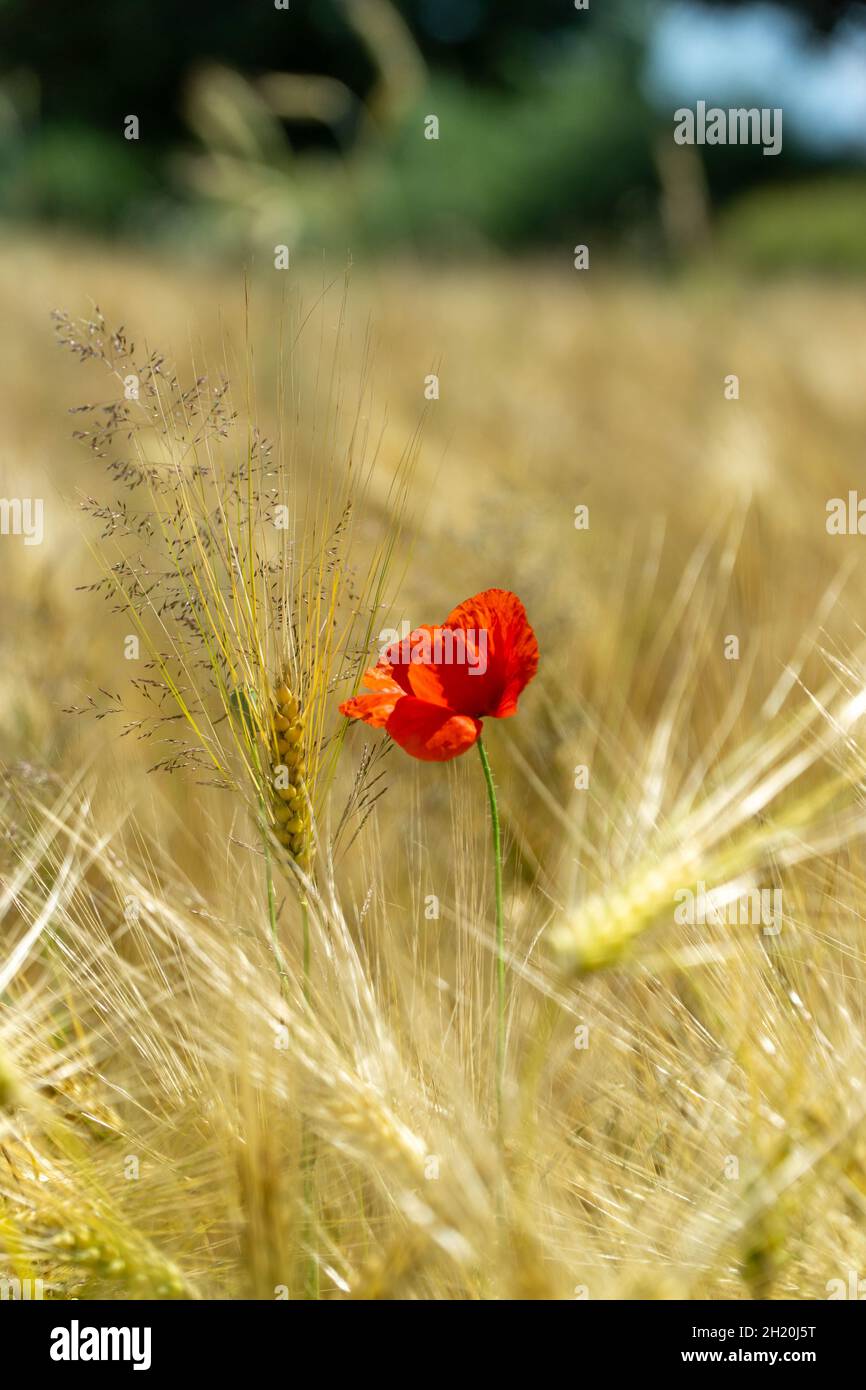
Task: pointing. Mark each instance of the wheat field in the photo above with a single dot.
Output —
(250, 1052)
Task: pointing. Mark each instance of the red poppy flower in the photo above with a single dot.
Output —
(431, 690)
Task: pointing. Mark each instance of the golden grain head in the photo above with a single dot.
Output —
(289, 798)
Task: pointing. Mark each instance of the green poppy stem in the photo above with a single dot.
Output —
(500, 932)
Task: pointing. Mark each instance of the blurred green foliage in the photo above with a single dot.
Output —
(817, 224)
(73, 173)
(508, 172)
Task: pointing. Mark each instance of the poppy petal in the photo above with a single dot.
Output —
(375, 709)
(413, 666)
(430, 732)
(503, 666)
(382, 677)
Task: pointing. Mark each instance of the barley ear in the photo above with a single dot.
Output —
(289, 799)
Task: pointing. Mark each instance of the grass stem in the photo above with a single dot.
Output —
(308, 1142)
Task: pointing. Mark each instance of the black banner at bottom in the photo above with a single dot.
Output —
(157, 1339)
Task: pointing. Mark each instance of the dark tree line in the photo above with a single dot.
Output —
(96, 58)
